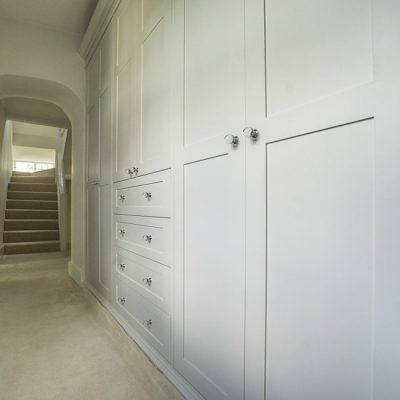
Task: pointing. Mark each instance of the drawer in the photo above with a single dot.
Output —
(149, 237)
(152, 280)
(151, 323)
(148, 195)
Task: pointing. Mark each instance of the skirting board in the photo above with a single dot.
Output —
(75, 273)
(187, 391)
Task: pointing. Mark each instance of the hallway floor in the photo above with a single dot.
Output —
(57, 342)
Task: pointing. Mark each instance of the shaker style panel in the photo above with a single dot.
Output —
(148, 195)
(146, 236)
(151, 323)
(152, 280)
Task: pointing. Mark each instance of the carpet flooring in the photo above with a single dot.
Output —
(58, 343)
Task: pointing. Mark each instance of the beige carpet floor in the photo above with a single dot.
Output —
(58, 343)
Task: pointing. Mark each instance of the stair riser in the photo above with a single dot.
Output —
(32, 205)
(31, 214)
(19, 173)
(32, 196)
(31, 248)
(30, 225)
(32, 179)
(29, 236)
(32, 187)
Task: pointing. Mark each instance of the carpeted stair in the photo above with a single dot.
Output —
(31, 220)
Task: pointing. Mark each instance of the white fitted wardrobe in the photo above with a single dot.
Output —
(240, 160)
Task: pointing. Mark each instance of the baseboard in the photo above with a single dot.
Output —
(75, 273)
(186, 390)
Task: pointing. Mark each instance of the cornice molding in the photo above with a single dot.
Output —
(99, 22)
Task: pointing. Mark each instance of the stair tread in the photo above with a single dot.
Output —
(34, 231)
(31, 243)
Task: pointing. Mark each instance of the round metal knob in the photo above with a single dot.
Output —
(122, 267)
(147, 238)
(129, 171)
(251, 133)
(147, 281)
(147, 195)
(231, 139)
(135, 170)
(148, 323)
(122, 197)
(122, 300)
(122, 232)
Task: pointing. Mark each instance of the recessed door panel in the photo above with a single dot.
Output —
(315, 48)
(214, 278)
(93, 144)
(93, 235)
(320, 221)
(105, 137)
(214, 69)
(105, 237)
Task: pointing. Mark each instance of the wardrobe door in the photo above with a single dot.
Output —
(92, 273)
(209, 200)
(123, 136)
(153, 86)
(93, 144)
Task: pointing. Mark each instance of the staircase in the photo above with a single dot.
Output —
(31, 220)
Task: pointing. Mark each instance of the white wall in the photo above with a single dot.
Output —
(22, 153)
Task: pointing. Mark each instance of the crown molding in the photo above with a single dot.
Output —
(99, 22)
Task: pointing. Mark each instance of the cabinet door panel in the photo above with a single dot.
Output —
(106, 60)
(320, 265)
(93, 80)
(105, 137)
(214, 68)
(93, 144)
(93, 235)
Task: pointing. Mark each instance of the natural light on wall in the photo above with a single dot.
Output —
(26, 166)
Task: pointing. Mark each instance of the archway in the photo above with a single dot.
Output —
(12, 86)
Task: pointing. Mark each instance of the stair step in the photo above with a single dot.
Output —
(30, 236)
(21, 173)
(31, 247)
(33, 179)
(31, 195)
(32, 204)
(32, 187)
(30, 224)
(31, 214)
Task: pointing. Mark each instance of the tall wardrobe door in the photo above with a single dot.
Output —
(105, 136)
(93, 235)
(210, 224)
(93, 144)
(153, 86)
(320, 222)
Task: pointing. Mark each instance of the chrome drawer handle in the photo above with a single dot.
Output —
(122, 300)
(147, 238)
(122, 267)
(147, 281)
(148, 323)
(135, 170)
(122, 232)
(147, 195)
(122, 197)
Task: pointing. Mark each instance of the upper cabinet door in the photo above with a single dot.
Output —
(209, 202)
(153, 86)
(93, 144)
(93, 80)
(106, 60)
(123, 130)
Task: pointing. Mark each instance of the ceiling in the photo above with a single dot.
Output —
(24, 128)
(35, 111)
(71, 16)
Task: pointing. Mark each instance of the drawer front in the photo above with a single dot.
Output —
(151, 323)
(146, 236)
(148, 195)
(150, 279)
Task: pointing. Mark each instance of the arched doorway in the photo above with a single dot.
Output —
(24, 87)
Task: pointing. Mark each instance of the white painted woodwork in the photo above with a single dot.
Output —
(106, 60)
(320, 220)
(148, 195)
(131, 233)
(315, 48)
(105, 134)
(93, 80)
(105, 240)
(153, 80)
(93, 144)
(139, 270)
(92, 271)
(140, 311)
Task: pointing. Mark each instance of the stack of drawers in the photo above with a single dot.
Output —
(143, 256)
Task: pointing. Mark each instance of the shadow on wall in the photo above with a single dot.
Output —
(27, 88)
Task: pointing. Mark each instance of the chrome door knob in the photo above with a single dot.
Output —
(122, 267)
(231, 139)
(135, 170)
(122, 197)
(148, 323)
(251, 133)
(147, 238)
(147, 281)
(122, 232)
(130, 171)
(147, 195)
(122, 300)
